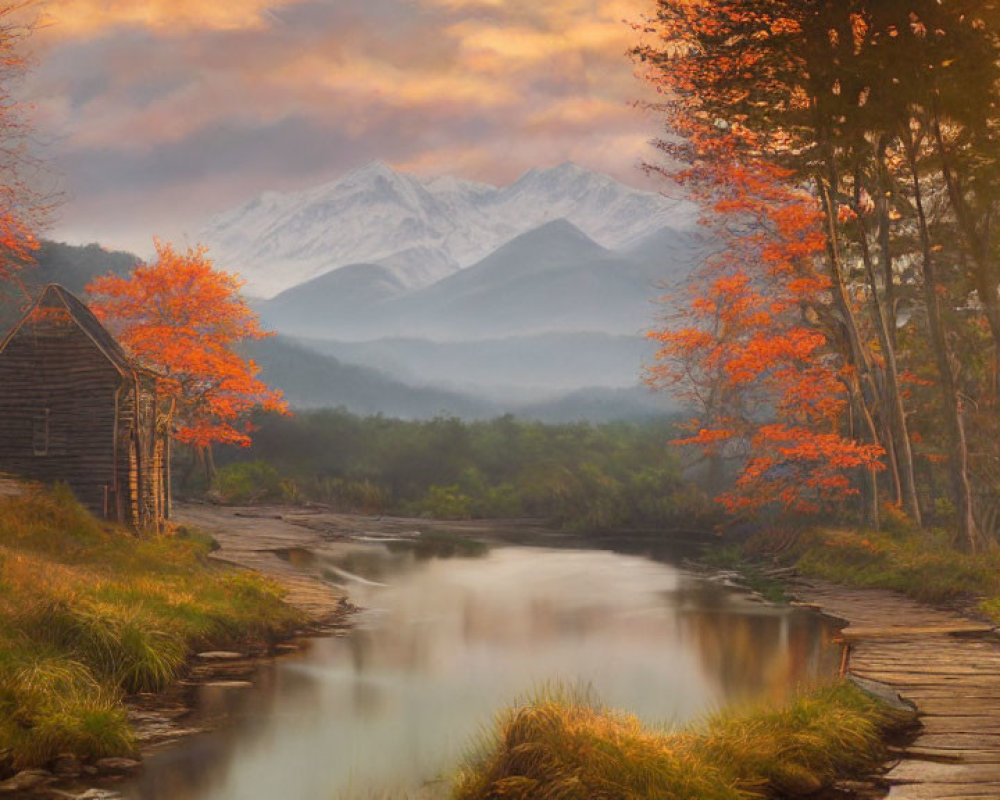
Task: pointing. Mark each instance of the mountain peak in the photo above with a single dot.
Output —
(372, 169)
(423, 229)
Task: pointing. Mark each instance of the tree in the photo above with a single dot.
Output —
(883, 112)
(185, 319)
(23, 209)
(748, 350)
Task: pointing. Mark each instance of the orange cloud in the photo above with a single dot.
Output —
(153, 100)
(75, 18)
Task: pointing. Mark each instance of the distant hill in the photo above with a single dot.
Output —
(516, 366)
(336, 301)
(311, 380)
(560, 376)
(72, 266)
(635, 403)
(75, 266)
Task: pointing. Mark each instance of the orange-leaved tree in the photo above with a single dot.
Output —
(771, 326)
(749, 353)
(186, 319)
(22, 206)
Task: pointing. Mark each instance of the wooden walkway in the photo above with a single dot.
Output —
(949, 666)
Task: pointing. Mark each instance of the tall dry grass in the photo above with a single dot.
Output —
(90, 613)
(559, 746)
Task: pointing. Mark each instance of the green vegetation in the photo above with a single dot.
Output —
(732, 557)
(922, 564)
(89, 612)
(566, 747)
(589, 477)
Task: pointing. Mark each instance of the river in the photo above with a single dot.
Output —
(451, 634)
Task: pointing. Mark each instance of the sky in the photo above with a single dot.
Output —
(153, 116)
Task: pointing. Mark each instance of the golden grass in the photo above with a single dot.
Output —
(559, 747)
(89, 612)
(920, 564)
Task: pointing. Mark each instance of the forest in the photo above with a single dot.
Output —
(843, 341)
(583, 476)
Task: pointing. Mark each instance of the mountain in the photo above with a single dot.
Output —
(336, 299)
(423, 229)
(553, 279)
(72, 266)
(517, 367)
(312, 380)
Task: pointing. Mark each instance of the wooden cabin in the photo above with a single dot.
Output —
(75, 408)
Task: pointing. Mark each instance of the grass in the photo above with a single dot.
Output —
(563, 747)
(732, 557)
(90, 613)
(920, 564)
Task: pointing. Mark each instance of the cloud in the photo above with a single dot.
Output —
(76, 18)
(228, 98)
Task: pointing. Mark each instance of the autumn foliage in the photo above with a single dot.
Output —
(748, 354)
(185, 319)
(22, 207)
(845, 155)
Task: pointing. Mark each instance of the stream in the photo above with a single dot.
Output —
(451, 634)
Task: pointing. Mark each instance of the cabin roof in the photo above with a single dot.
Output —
(88, 323)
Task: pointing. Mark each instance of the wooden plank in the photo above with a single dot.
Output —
(908, 631)
(945, 791)
(950, 667)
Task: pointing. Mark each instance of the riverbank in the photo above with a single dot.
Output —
(920, 617)
(278, 540)
(281, 543)
(95, 623)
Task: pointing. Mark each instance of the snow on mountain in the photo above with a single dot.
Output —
(423, 229)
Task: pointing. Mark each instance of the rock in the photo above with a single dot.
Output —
(884, 692)
(98, 794)
(220, 655)
(26, 780)
(286, 648)
(117, 765)
(796, 780)
(89, 769)
(66, 765)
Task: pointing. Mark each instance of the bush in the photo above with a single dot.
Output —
(248, 482)
(446, 502)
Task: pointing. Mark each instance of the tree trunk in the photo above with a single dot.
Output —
(859, 359)
(210, 470)
(954, 418)
(986, 275)
(900, 451)
(883, 207)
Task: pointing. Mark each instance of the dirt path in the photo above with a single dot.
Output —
(949, 666)
(265, 540)
(268, 539)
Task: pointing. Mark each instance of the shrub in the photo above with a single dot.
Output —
(248, 482)
(446, 502)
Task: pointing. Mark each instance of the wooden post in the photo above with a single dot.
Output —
(845, 656)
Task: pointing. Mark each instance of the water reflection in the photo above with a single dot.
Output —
(447, 639)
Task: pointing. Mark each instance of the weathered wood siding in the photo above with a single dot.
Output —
(58, 407)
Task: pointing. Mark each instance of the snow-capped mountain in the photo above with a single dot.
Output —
(552, 279)
(420, 229)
